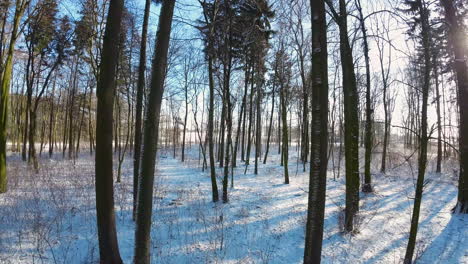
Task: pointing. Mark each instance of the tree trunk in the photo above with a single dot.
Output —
(241, 117)
(51, 119)
(284, 120)
(457, 38)
(319, 138)
(186, 99)
(214, 185)
(108, 245)
(351, 119)
(258, 141)
(5, 92)
(150, 140)
(139, 104)
(249, 138)
(227, 97)
(367, 186)
(270, 126)
(423, 139)
(439, 121)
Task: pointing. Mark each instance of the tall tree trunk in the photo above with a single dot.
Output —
(108, 245)
(258, 141)
(439, 121)
(458, 40)
(214, 185)
(284, 120)
(227, 97)
(270, 126)
(5, 91)
(383, 166)
(222, 129)
(241, 117)
(367, 186)
(150, 139)
(71, 136)
(351, 119)
(423, 139)
(319, 138)
(139, 103)
(186, 72)
(249, 131)
(51, 119)
(246, 80)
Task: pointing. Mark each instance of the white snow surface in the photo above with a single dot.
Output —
(50, 217)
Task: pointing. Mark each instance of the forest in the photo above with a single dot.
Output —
(233, 131)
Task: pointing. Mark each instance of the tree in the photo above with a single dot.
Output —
(319, 138)
(151, 134)
(367, 186)
(282, 69)
(351, 119)
(210, 14)
(5, 75)
(457, 41)
(419, 8)
(47, 38)
(139, 104)
(108, 244)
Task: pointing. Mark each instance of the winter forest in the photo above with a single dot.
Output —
(233, 131)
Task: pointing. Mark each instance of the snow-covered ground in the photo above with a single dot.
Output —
(50, 217)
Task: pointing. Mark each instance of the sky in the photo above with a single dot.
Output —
(188, 11)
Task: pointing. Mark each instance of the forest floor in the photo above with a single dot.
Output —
(49, 217)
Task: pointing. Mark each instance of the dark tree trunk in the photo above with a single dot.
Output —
(71, 112)
(247, 74)
(284, 120)
(439, 121)
(319, 138)
(367, 186)
(222, 128)
(227, 97)
(423, 139)
(270, 126)
(108, 245)
(241, 117)
(258, 141)
(151, 134)
(351, 119)
(249, 137)
(51, 120)
(214, 185)
(139, 104)
(386, 130)
(457, 36)
(185, 117)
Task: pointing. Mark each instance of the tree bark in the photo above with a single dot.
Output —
(284, 120)
(367, 186)
(319, 138)
(5, 92)
(457, 38)
(270, 126)
(139, 104)
(351, 119)
(150, 140)
(423, 138)
(108, 244)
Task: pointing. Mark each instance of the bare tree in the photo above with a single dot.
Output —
(457, 39)
(108, 245)
(319, 136)
(150, 140)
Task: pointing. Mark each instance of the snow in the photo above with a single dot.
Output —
(50, 217)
